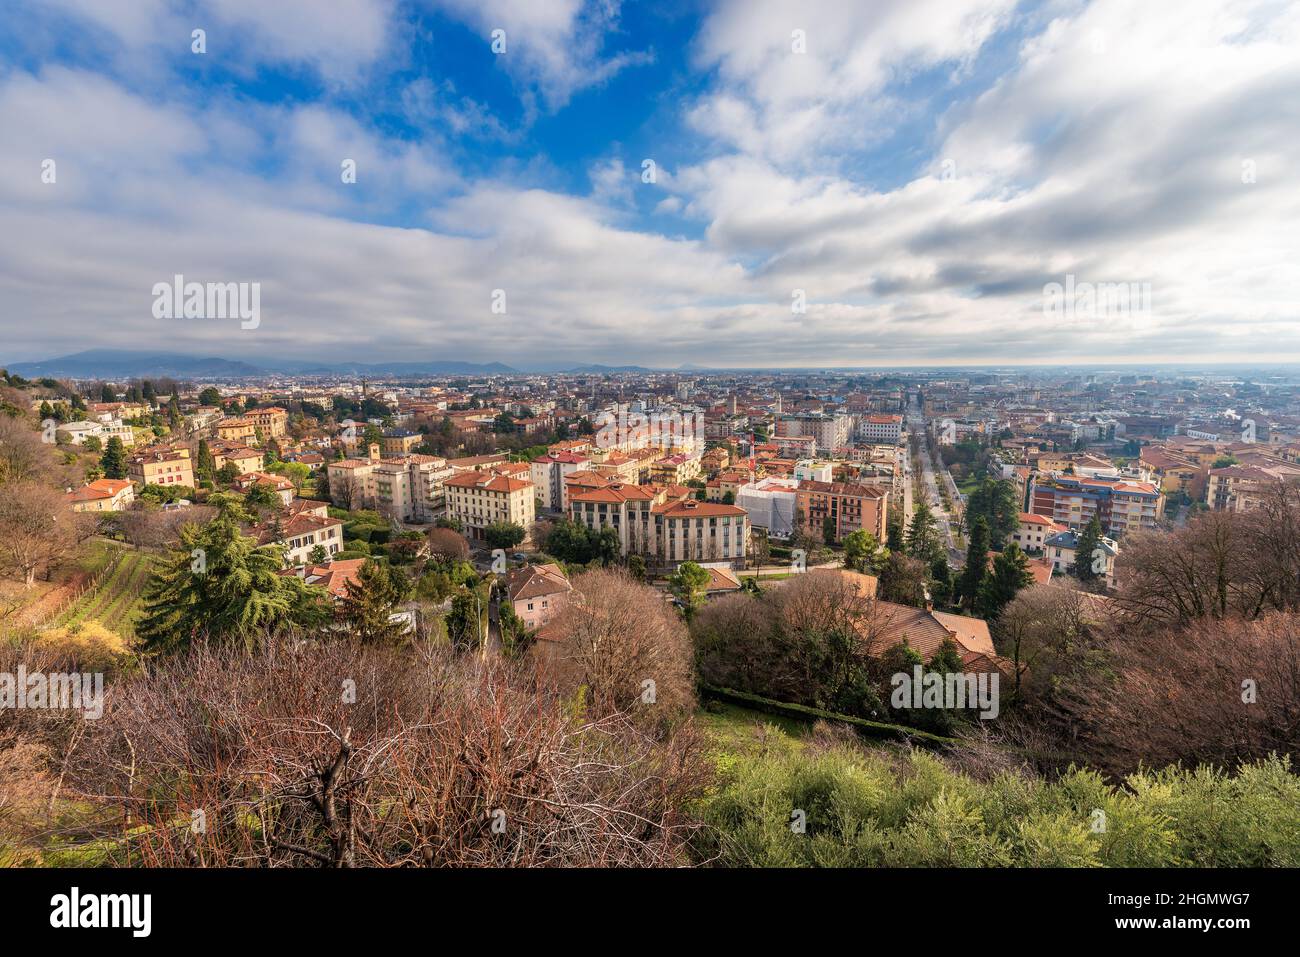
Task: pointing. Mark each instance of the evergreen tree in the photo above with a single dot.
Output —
(368, 605)
(220, 585)
(923, 535)
(941, 581)
(894, 530)
(1089, 542)
(689, 584)
(205, 465)
(113, 461)
(1010, 574)
(976, 568)
(106, 393)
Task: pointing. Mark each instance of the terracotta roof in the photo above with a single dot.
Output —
(925, 631)
(98, 489)
(332, 576)
(488, 481)
(534, 581)
(692, 508)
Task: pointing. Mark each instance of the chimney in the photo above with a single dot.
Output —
(374, 452)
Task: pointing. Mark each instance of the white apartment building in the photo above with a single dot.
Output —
(830, 431)
(549, 472)
(881, 429)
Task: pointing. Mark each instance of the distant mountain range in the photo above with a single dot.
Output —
(124, 364)
(127, 364)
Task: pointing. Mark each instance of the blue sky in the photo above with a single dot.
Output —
(914, 172)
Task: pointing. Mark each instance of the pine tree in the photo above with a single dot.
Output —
(220, 585)
(113, 461)
(1010, 574)
(368, 606)
(923, 535)
(1088, 543)
(976, 568)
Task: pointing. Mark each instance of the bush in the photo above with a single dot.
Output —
(877, 809)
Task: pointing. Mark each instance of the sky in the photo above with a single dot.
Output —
(733, 183)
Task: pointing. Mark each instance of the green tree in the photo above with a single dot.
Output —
(828, 530)
(113, 461)
(1010, 574)
(1089, 542)
(689, 584)
(221, 585)
(504, 534)
(368, 604)
(210, 396)
(106, 393)
(975, 570)
(941, 581)
(995, 500)
(923, 535)
(894, 529)
(318, 555)
(862, 551)
(636, 567)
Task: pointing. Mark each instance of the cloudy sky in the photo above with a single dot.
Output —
(654, 183)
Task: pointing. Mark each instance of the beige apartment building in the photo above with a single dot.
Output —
(663, 528)
(241, 429)
(272, 421)
(161, 467)
(480, 499)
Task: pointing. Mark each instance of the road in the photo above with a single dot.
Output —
(929, 472)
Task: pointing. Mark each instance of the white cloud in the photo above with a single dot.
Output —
(556, 47)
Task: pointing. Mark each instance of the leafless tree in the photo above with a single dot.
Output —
(621, 642)
(39, 531)
(340, 755)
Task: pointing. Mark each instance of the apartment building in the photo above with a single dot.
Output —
(882, 429)
(410, 488)
(480, 499)
(664, 524)
(161, 466)
(1033, 531)
(548, 472)
(1240, 488)
(1061, 549)
(1121, 506)
(300, 533)
(244, 458)
(847, 505)
(399, 441)
(240, 429)
(771, 504)
(689, 530)
(272, 422)
(829, 431)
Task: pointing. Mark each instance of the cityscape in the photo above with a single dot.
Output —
(598, 436)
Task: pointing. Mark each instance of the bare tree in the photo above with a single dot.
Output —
(621, 642)
(38, 530)
(340, 755)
